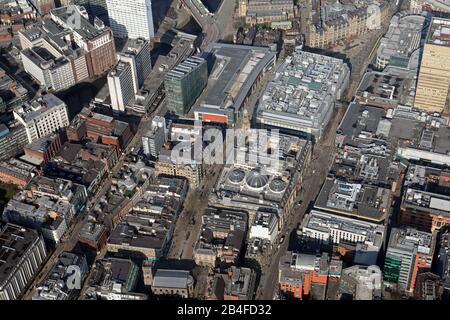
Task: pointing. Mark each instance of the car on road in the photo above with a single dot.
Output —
(282, 239)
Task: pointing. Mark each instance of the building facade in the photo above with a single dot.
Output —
(42, 116)
(185, 83)
(434, 75)
(23, 251)
(131, 18)
(121, 86)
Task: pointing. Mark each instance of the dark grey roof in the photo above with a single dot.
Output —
(177, 279)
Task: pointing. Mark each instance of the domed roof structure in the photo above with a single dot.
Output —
(255, 179)
(277, 185)
(236, 176)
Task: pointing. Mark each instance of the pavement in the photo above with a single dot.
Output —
(212, 25)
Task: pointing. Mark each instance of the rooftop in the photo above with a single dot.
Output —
(15, 241)
(403, 37)
(235, 69)
(439, 33)
(176, 279)
(354, 199)
(266, 182)
(304, 91)
(328, 223)
(409, 239)
(39, 106)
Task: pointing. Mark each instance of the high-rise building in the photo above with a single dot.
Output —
(434, 75)
(22, 252)
(408, 251)
(138, 54)
(155, 138)
(185, 83)
(121, 86)
(131, 18)
(95, 8)
(42, 116)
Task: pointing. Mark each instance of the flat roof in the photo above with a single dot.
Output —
(235, 69)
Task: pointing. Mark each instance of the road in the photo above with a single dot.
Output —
(212, 25)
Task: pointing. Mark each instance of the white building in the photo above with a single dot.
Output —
(156, 137)
(265, 226)
(138, 54)
(51, 72)
(333, 229)
(42, 116)
(362, 282)
(131, 18)
(121, 86)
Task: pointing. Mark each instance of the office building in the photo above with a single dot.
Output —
(121, 86)
(303, 275)
(265, 11)
(265, 226)
(51, 72)
(185, 83)
(43, 6)
(333, 21)
(354, 199)
(44, 149)
(95, 8)
(22, 251)
(12, 140)
(155, 138)
(94, 235)
(408, 251)
(333, 229)
(222, 237)
(138, 236)
(59, 53)
(137, 53)
(167, 165)
(434, 75)
(426, 200)
(131, 18)
(42, 116)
